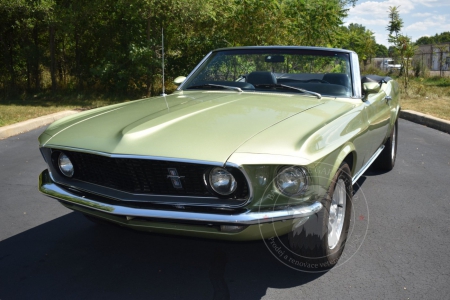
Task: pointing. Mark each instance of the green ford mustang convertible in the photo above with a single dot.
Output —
(256, 143)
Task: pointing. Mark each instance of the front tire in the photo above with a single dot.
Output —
(321, 240)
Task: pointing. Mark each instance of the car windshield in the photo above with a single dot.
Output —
(320, 72)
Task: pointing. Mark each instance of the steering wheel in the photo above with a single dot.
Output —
(317, 80)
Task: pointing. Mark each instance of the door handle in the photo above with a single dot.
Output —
(388, 99)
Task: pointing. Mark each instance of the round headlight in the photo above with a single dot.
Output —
(65, 165)
(292, 181)
(222, 181)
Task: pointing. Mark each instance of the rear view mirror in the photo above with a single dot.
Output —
(274, 58)
(371, 87)
(179, 80)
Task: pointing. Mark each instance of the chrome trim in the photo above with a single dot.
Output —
(356, 75)
(70, 175)
(249, 182)
(336, 216)
(47, 187)
(180, 87)
(305, 174)
(367, 165)
(174, 159)
(319, 96)
(212, 185)
(284, 48)
(74, 187)
(355, 71)
(231, 88)
(155, 196)
(393, 143)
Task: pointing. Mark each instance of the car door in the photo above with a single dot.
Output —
(377, 107)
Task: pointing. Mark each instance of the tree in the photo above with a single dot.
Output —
(369, 47)
(316, 23)
(424, 40)
(402, 44)
(395, 22)
(21, 36)
(115, 46)
(357, 38)
(381, 51)
(443, 37)
(407, 50)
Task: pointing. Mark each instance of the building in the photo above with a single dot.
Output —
(435, 57)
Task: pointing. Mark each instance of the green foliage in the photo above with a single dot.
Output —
(417, 69)
(115, 46)
(437, 81)
(381, 51)
(359, 39)
(443, 37)
(403, 47)
(395, 22)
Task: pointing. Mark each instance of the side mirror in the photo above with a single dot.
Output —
(371, 87)
(179, 80)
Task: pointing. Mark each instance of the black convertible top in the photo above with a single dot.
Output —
(375, 78)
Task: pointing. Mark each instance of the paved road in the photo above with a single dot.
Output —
(49, 252)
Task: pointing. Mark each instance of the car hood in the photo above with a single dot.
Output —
(206, 125)
(305, 137)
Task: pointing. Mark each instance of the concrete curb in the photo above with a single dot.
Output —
(18, 128)
(427, 120)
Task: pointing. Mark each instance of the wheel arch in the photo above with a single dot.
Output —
(347, 153)
(350, 159)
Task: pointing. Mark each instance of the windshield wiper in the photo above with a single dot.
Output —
(233, 88)
(319, 96)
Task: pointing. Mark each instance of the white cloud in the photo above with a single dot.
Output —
(380, 9)
(379, 37)
(422, 15)
(432, 3)
(434, 22)
(367, 22)
(419, 26)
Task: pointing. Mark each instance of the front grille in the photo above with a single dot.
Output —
(142, 176)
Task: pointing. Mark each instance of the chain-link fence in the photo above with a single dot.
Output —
(436, 61)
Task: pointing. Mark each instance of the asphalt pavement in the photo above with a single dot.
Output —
(398, 251)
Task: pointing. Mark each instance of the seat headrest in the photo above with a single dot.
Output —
(337, 78)
(260, 77)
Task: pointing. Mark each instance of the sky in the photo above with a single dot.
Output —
(420, 17)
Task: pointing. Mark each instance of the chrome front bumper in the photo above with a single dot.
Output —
(51, 189)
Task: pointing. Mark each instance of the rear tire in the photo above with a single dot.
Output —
(320, 242)
(386, 160)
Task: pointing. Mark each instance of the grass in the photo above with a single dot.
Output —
(427, 95)
(17, 110)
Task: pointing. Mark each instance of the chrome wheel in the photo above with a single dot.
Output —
(394, 133)
(322, 238)
(337, 213)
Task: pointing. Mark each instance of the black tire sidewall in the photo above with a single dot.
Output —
(385, 161)
(310, 241)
